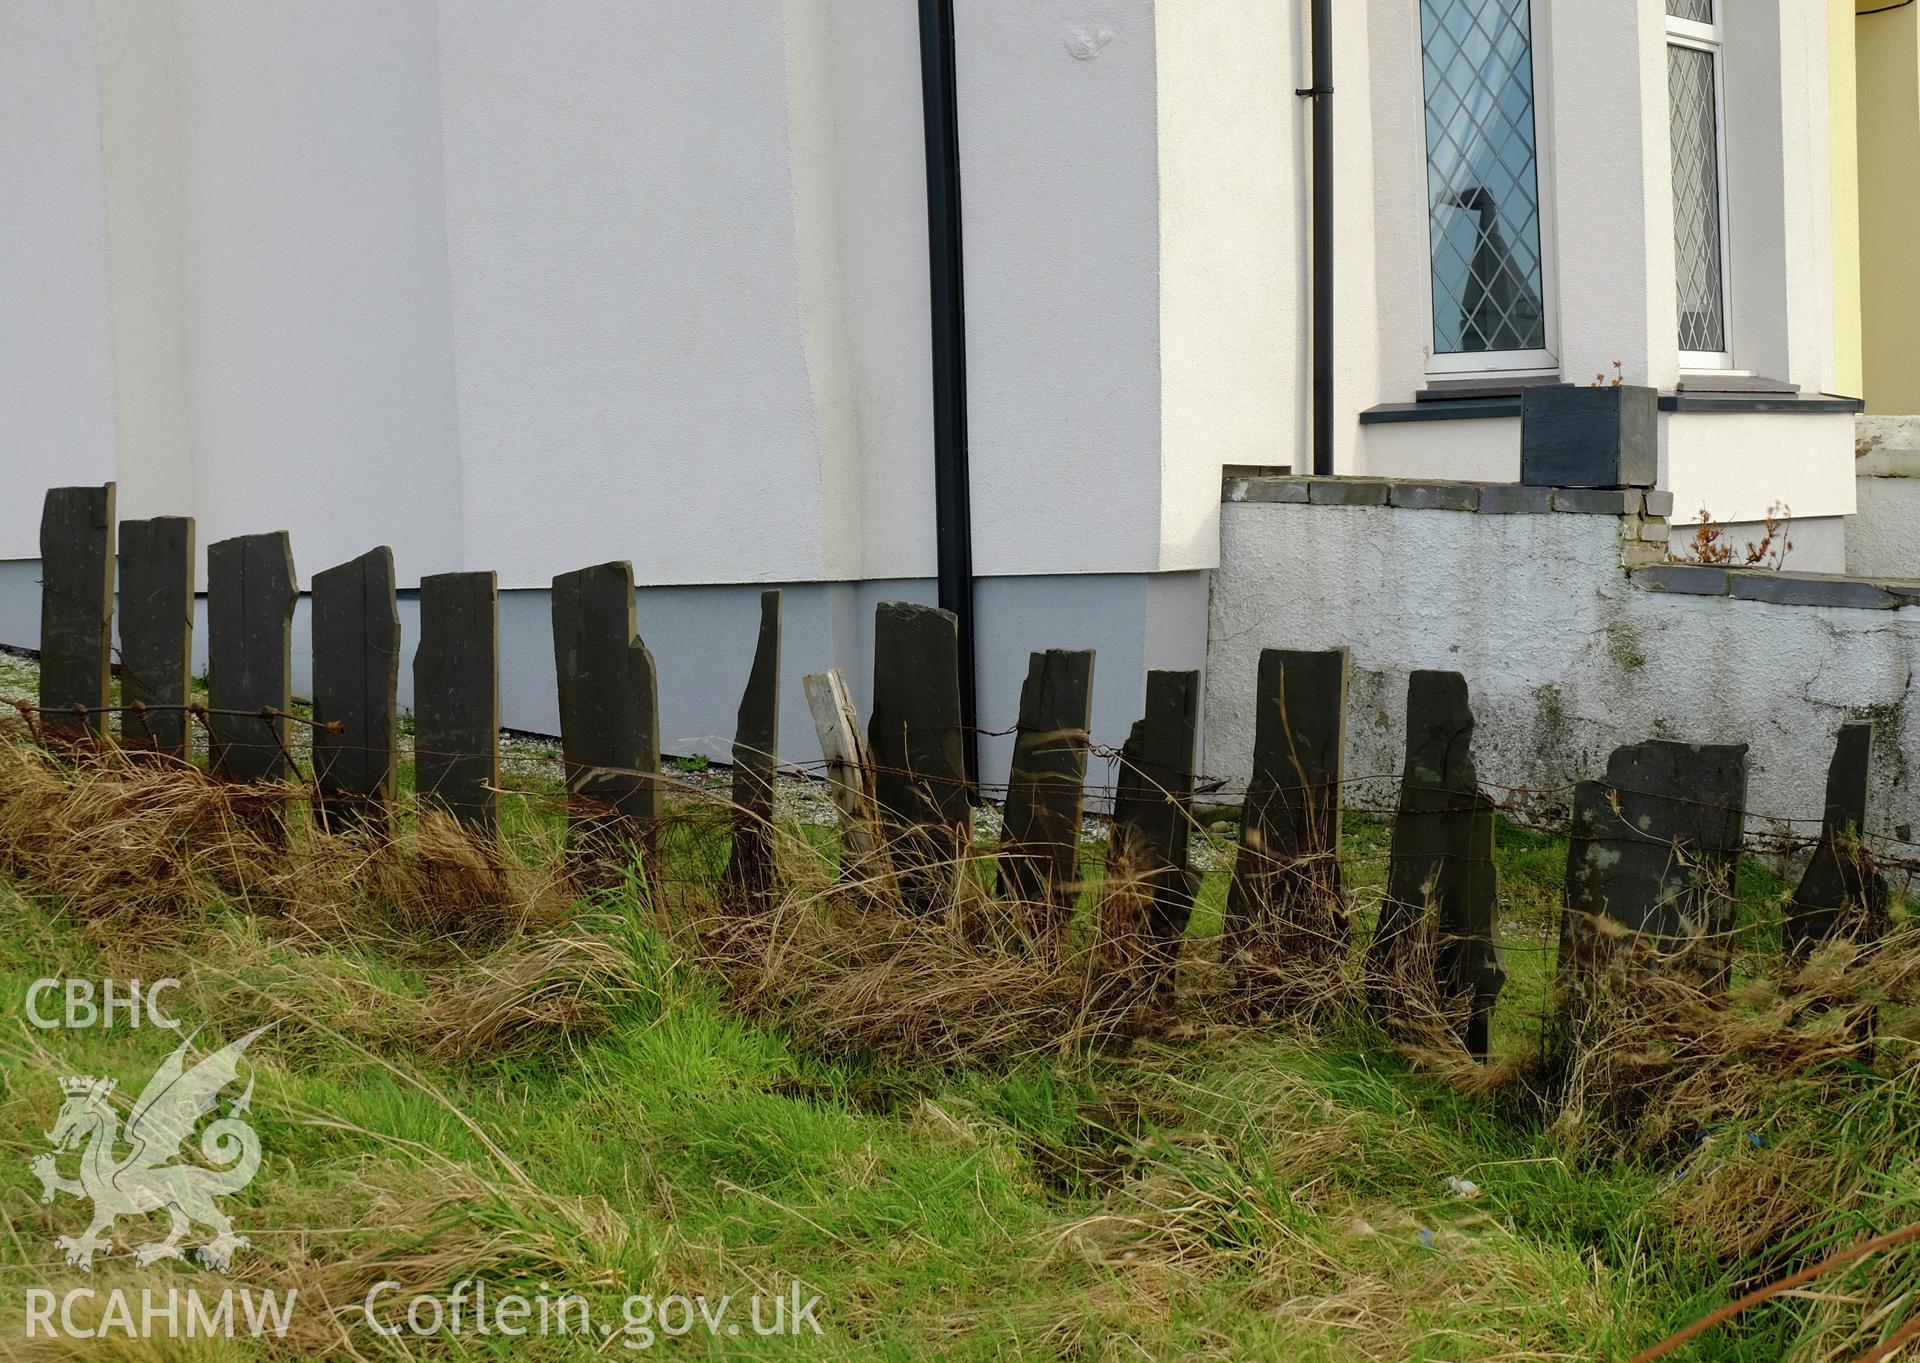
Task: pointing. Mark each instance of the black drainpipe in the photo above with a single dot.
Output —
(1321, 93)
(953, 511)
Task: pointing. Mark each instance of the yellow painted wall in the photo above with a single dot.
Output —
(1843, 127)
(1887, 56)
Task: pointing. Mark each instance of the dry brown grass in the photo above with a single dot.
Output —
(850, 971)
(110, 835)
(557, 984)
(106, 835)
(382, 1220)
(1649, 1055)
(152, 860)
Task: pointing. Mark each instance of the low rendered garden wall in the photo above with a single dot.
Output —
(1574, 634)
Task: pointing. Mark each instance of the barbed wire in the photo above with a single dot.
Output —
(1543, 809)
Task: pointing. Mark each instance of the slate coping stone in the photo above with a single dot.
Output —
(1435, 496)
(1506, 499)
(1812, 589)
(1349, 491)
(1597, 501)
(1682, 579)
(1266, 490)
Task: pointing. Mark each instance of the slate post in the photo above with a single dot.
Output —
(609, 716)
(156, 634)
(1440, 878)
(456, 699)
(1655, 848)
(76, 611)
(356, 670)
(1841, 895)
(1589, 437)
(1040, 842)
(756, 764)
(251, 591)
(920, 777)
(1286, 922)
(1152, 822)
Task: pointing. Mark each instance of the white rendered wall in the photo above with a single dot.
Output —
(56, 377)
(1481, 450)
(1060, 196)
(137, 54)
(314, 260)
(690, 320)
(522, 287)
(503, 288)
(1234, 372)
(1565, 660)
(1747, 462)
(640, 212)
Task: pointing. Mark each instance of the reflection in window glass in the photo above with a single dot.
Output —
(1482, 182)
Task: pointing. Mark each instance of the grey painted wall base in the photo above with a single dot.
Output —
(703, 637)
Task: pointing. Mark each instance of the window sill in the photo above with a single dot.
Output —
(1783, 403)
(1485, 386)
(1726, 404)
(1453, 409)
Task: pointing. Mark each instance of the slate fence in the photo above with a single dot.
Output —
(1654, 850)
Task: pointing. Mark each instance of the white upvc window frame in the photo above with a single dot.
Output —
(1517, 363)
(1711, 39)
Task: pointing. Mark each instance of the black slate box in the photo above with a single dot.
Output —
(1588, 437)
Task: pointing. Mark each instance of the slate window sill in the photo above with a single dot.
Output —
(1477, 409)
(1452, 409)
(1787, 404)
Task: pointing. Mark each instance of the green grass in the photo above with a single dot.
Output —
(1239, 1193)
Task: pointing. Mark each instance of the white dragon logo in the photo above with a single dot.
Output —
(170, 1106)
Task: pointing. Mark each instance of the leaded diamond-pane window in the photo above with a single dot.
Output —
(1483, 189)
(1699, 246)
(1699, 11)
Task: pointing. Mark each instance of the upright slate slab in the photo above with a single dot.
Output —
(1153, 818)
(76, 610)
(156, 633)
(1046, 790)
(914, 734)
(456, 699)
(356, 669)
(1441, 870)
(251, 592)
(756, 762)
(1841, 895)
(1284, 906)
(609, 713)
(1655, 847)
